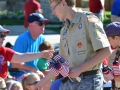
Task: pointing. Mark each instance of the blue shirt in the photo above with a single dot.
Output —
(25, 43)
(56, 84)
(116, 8)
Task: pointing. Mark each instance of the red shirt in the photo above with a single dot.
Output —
(6, 54)
(30, 7)
(95, 6)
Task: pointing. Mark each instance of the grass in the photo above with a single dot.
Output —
(18, 22)
(21, 21)
(11, 22)
(108, 20)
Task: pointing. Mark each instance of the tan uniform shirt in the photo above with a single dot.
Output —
(111, 59)
(82, 38)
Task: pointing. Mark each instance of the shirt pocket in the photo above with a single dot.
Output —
(80, 42)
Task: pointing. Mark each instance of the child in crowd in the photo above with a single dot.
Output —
(42, 62)
(113, 34)
(13, 85)
(29, 80)
(2, 84)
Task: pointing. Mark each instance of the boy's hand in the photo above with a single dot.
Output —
(73, 73)
(48, 54)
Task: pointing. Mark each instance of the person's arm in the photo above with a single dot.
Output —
(43, 81)
(39, 11)
(97, 58)
(22, 66)
(38, 8)
(115, 18)
(25, 57)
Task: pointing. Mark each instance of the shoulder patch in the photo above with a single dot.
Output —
(93, 18)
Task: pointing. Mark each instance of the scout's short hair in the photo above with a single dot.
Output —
(46, 46)
(69, 2)
(113, 29)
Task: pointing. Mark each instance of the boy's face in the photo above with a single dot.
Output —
(114, 42)
(59, 9)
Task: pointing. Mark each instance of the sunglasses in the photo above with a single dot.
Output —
(33, 83)
(2, 35)
(42, 23)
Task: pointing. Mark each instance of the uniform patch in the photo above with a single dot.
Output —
(79, 45)
(81, 52)
(80, 26)
(93, 19)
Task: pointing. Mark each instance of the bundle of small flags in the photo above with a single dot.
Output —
(58, 65)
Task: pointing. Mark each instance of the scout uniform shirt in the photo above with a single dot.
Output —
(82, 38)
(111, 59)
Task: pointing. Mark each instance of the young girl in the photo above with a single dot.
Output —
(13, 85)
(29, 80)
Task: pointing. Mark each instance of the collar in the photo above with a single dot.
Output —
(77, 17)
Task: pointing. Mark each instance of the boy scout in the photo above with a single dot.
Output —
(83, 43)
(113, 33)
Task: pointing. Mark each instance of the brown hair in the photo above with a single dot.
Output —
(69, 2)
(46, 46)
(114, 36)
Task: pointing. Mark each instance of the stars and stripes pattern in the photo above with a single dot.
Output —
(108, 74)
(116, 69)
(58, 65)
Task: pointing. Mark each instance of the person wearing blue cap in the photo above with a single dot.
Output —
(29, 41)
(9, 55)
(113, 33)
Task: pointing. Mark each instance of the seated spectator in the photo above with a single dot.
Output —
(29, 80)
(29, 41)
(13, 85)
(2, 84)
(42, 63)
(9, 55)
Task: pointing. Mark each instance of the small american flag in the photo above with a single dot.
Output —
(58, 65)
(61, 66)
(108, 74)
(116, 69)
(60, 59)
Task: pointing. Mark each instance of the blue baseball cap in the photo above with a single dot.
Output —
(113, 29)
(37, 17)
